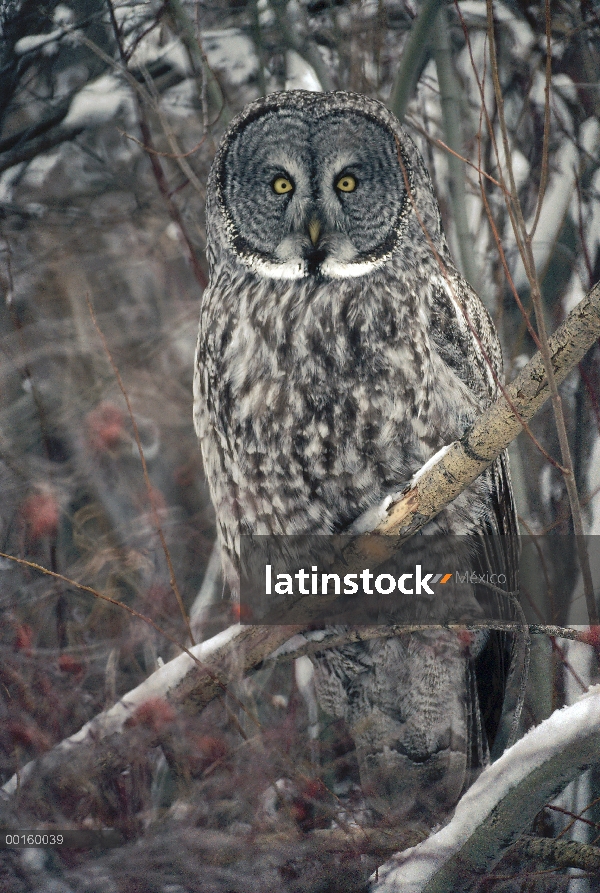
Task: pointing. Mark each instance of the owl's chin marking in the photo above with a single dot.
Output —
(334, 269)
(302, 269)
(289, 270)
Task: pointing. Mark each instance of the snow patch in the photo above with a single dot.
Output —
(430, 463)
(181, 99)
(34, 41)
(476, 10)
(233, 51)
(7, 179)
(39, 168)
(574, 294)
(150, 50)
(62, 20)
(99, 102)
(63, 16)
(299, 74)
(557, 199)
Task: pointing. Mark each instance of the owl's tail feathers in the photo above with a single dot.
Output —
(400, 789)
(412, 709)
(510, 726)
(413, 778)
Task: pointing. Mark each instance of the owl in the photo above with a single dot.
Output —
(338, 350)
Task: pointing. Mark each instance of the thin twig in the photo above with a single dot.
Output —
(173, 155)
(138, 441)
(184, 27)
(107, 598)
(546, 137)
(525, 239)
(483, 112)
(579, 817)
(203, 667)
(142, 96)
(177, 154)
(564, 516)
(163, 187)
(436, 141)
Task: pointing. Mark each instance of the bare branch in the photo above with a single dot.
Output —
(43, 143)
(414, 52)
(289, 35)
(184, 27)
(460, 463)
(560, 853)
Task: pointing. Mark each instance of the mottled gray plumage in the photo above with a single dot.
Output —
(328, 371)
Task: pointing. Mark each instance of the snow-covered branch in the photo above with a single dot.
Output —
(501, 804)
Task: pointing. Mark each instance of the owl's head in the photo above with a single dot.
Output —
(316, 185)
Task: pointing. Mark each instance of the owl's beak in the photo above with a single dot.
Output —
(314, 230)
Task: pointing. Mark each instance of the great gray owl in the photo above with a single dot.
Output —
(338, 350)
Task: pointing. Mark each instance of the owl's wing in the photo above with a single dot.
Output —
(466, 340)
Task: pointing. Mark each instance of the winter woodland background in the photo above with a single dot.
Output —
(109, 117)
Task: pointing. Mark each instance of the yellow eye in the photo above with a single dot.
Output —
(281, 185)
(347, 183)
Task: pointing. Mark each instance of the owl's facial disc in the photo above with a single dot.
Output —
(312, 194)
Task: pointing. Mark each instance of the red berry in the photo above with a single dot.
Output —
(27, 735)
(241, 613)
(104, 426)
(465, 637)
(68, 664)
(40, 513)
(155, 714)
(591, 636)
(24, 637)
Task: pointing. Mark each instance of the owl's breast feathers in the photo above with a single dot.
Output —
(315, 398)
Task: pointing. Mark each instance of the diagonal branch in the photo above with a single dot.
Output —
(456, 466)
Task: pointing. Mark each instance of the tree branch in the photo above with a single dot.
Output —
(38, 145)
(305, 48)
(412, 57)
(456, 466)
(559, 853)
